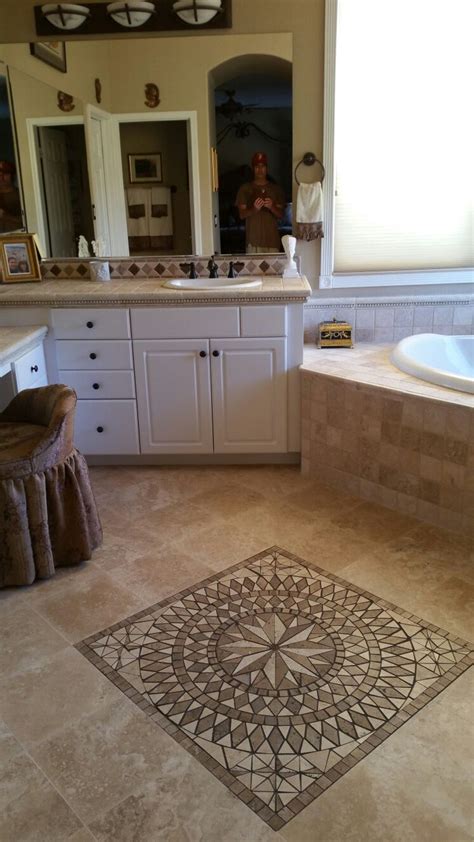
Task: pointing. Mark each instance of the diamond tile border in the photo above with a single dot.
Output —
(315, 789)
(162, 267)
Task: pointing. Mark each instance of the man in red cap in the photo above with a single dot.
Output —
(261, 203)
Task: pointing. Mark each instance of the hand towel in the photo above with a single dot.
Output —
(309, 212)
(137, 201)
(161, 218)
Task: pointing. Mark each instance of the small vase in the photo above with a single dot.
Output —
(100, 270)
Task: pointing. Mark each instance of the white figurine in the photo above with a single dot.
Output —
(98, 247)
(291, 269)
(83, 247)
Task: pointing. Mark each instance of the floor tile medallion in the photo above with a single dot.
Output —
(278, 676)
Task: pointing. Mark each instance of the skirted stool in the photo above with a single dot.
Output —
(48, 515)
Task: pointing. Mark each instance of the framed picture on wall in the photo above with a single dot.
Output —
(51, 52)
(145, 167)
(19, 260)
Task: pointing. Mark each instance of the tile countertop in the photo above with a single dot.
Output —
(370, 363)
(147, 291)
(15, 341)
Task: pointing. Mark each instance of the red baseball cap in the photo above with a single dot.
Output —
(259, 158)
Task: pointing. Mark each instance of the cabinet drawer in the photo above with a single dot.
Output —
(97, 385)
(30, 369)
(106, 427)
(92, 355)
(263, 321)
(91, 324)
(184, 322)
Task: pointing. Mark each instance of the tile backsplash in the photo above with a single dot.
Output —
(176, 266)
(389, 319)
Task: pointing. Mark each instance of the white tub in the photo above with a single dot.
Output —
(445, 360)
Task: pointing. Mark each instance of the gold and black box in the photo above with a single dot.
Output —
(335, 334)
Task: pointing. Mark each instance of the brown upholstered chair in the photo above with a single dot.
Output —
(48, 515)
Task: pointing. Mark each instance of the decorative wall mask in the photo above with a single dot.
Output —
(152, 95)
(98, 90)
(65, 101)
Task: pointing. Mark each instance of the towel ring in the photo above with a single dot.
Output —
(308, 159)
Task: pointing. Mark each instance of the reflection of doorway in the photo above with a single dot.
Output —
(158, 206)
(64, 187)
(253, 112)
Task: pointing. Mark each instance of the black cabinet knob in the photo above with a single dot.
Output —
(93, 356)
(34, 368)
(95, 386)
(215, 353)
(202, 354)
(90, 324)
(100, 429)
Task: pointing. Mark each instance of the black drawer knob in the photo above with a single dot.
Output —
(95, 386)
(100, 429)
(93, 356)
(216, 353)
(90, 324)
(34, 368)
(202, 354)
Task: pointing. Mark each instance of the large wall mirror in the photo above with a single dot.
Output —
(150, 171)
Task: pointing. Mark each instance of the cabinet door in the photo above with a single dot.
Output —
(249, 395)
(173, 395)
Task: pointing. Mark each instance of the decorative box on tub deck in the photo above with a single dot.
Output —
(335, 334)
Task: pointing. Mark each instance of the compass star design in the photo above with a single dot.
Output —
(276, 650)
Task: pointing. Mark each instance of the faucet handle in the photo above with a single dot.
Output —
(212, 266)
(189, 267)
(231, 272)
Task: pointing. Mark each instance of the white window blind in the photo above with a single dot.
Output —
(404, 140)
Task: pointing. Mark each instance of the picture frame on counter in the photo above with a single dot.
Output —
(19, 259)
(145, 168)
(51, 52)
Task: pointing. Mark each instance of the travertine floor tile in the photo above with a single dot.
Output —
(166, 528)
(26, 638)
(33, 810)
(81, 610)
(38, 702)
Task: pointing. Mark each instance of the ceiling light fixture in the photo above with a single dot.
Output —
(197, 12)
(132, 14)
(65, 15)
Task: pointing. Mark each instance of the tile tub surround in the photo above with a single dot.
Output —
(80, 761)
(389, 319)
(374, 431)
(277, 675)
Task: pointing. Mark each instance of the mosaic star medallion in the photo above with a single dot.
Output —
(278, 675)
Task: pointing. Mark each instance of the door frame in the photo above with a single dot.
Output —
(31, 124)
(191, 120)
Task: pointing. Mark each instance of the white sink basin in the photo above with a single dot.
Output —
(213, 283)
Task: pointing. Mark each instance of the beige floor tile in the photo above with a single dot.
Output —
(167, 571)
(220, 546)
(34, 812)
(205, 810)
(43, 699)
(165, 528)
(95, 602)
(105, 757)
(25, 638)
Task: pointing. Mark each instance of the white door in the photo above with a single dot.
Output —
(249, 395)
(173, 395)
(57, 191)
(94, 126)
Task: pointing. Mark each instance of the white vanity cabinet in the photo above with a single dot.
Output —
(29, 370)
(94, 357)
(211, 395)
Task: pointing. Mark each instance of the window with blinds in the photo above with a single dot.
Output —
(404, 140)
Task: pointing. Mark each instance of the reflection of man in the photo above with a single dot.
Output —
(261, 203)
(10, 208)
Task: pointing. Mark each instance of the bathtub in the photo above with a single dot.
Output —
(445, 360)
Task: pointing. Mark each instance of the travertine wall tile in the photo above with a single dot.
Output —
(413, 454)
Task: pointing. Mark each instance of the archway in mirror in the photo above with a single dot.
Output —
(252, 113)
